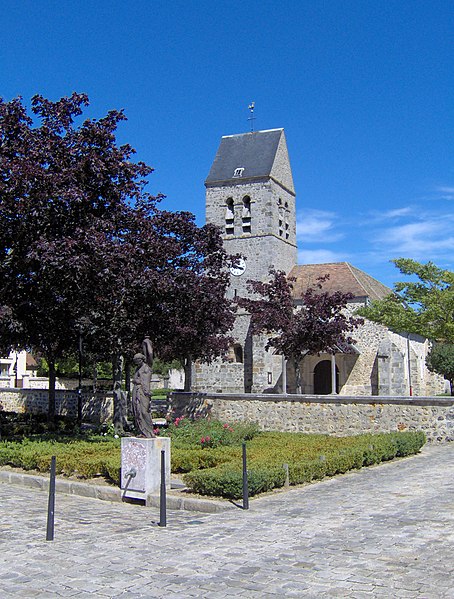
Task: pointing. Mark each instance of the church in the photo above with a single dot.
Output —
(250, 195)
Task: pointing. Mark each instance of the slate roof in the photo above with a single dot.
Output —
(254, 152)
(342, 277)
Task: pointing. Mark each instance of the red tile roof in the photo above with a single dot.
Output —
(342, 277)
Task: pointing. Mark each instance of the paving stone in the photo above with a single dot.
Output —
(386, 531)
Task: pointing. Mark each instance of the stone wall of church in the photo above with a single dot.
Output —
(387, 364)
(233, 373)
(259, 370)
(340, 416)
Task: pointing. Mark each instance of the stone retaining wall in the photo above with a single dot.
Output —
(96, 408)
(338, 415)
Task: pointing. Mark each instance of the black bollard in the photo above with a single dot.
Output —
(245, 484)
(162, 498)
(51, 504)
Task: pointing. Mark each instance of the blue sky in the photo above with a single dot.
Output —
(364, 90)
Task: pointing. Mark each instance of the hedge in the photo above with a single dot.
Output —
(85, 459)
(217, 470)
(266, 471)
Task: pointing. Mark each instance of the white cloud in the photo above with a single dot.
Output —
(447, 191)
(316, 226)
(397, 212)
(320, 256)
(376, 216)
(422, 240)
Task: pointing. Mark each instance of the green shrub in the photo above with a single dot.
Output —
(217, 469)
(310, 457)
(112, 469)
(228, 481)
(186, 460)
(19, 425)
(85, 459)
(207, 433)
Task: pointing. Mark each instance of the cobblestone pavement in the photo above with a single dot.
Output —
(386, 531)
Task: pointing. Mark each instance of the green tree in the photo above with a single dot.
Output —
(424, 307)
(441, 360)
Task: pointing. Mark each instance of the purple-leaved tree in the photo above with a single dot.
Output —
(315, 323)
(64, 192)
(84, 249)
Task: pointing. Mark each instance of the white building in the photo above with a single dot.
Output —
(17, 369)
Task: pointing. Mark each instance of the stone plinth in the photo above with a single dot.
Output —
(143, 457)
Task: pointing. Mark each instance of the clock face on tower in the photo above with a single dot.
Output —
(239, 268)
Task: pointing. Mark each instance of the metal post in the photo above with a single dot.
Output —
(51, 504)
(79, 388)
(287, 475)
(245, 482)
(162, 497)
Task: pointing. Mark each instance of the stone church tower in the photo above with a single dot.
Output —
(251, 197)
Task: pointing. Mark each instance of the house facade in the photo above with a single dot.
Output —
(17, 369)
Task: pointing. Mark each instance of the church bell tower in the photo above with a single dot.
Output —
(251, 197)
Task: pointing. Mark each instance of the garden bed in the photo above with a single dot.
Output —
(208, 455)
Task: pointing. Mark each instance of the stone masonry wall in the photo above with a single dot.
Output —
(340, 416)
(262, 247)
(96, 408)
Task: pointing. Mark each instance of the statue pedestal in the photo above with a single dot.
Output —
(141, 466)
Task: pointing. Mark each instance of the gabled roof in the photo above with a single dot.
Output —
(255, 153)
(30, 362)
(342, 277)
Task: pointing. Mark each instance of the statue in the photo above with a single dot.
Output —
(141, 394)
(147, 350)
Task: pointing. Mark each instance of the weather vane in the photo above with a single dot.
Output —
(252, 117)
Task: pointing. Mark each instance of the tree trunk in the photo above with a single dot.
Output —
(51, 397)
(188, 374)
(119, 396)
(284, 375)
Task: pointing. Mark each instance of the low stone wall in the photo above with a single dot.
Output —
(96, 408)
(336, 415)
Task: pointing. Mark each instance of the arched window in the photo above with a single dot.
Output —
(229, 217)
(246, 214)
